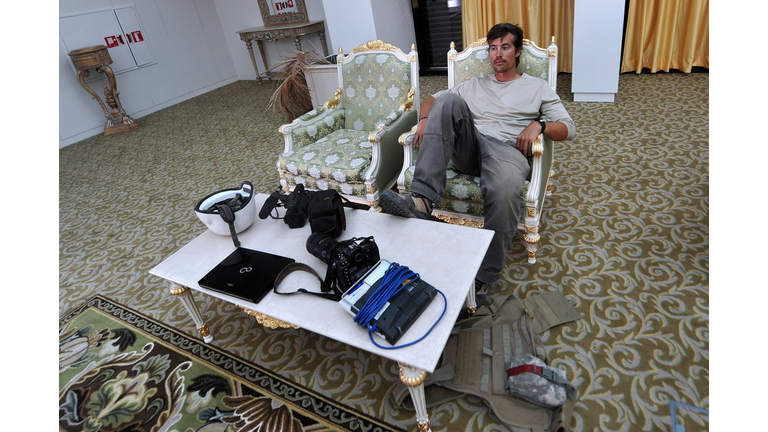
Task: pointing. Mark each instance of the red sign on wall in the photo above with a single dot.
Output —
(111, 41)
(137, 37)
(284, 6)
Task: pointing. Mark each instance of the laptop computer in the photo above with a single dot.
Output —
(246, 274)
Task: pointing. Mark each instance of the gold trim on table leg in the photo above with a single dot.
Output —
(267, 321)
(204, 330)
(414, 381)
(178, 291)
(414, 378)
(186, 298)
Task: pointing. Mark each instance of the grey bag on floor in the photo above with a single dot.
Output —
(535, 381)
(480, 348)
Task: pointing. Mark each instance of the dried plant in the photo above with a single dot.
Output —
(292, 95)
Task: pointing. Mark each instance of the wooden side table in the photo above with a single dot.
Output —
(273, 33)
(97, 57)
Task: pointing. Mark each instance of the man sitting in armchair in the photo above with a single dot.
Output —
(487, 127)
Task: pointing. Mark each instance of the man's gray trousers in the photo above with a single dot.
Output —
(450, 134)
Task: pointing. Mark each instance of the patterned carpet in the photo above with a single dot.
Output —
(625, 237)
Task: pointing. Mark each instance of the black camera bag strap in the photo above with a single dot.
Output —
(326, 212)
(229, 217)
(329, 290)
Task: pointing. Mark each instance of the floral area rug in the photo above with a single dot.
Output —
(122, 371)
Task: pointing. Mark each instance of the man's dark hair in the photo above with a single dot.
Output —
(501, 30)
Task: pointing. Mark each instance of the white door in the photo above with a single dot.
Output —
(134, 35)
(97, 28)
(118, 29)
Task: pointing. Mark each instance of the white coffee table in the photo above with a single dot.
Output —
(447, 256)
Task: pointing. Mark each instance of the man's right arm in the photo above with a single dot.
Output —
(423, 115)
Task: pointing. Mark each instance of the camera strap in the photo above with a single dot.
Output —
(328, 289)
(229, 217)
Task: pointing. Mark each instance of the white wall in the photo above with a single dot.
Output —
(355, 22)
(197, 49)
(348, 24)
(394, 23)
(237, 15)
(351, 21)
(192, 58)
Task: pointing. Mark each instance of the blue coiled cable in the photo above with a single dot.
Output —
(395, 279)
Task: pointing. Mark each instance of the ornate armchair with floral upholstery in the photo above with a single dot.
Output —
(350, 143)
(462, 201)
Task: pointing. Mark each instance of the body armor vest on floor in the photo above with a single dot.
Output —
(478, 353)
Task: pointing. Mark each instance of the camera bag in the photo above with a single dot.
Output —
(326, 213)
(323, 209)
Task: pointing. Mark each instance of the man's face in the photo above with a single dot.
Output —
(503, 54)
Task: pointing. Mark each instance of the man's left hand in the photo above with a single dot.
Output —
(527, 137)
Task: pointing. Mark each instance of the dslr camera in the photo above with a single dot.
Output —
(347, 260)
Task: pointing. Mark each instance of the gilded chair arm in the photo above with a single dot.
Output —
(407, 138)
(410, 152)
(543, 152)
(311, 127)
(334, 103)
(408, 104)
(387, 155)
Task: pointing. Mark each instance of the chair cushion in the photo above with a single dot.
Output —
(533, 66)
(375, 84)
(337, 161)
(462, 192)
(309, 133)
(477, 64)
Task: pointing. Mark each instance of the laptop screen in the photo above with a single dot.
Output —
(246, 274)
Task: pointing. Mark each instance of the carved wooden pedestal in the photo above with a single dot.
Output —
(97, 57)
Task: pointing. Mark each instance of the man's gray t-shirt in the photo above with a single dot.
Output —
(503, 109)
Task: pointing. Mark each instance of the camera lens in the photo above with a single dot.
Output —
(321, 246)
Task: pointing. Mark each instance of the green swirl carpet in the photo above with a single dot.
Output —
(122, 371)
(625, 238)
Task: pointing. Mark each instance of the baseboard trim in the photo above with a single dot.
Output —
(593, 97)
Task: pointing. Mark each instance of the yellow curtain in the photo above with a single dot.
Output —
(666, 34)
(540, 20)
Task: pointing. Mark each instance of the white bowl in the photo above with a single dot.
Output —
(244, 216)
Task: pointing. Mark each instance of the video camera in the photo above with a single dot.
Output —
(324, 209)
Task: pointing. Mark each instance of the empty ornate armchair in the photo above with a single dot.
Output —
(462, 201)
(350, 143)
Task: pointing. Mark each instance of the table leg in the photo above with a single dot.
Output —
(263, 58)
(113, 100)
(324, 44)
(249, 44)
(471, 301)
(185, 296)
(413, 378)
(81, 76)
(297, 41)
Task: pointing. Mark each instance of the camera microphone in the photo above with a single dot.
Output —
(269, 204)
